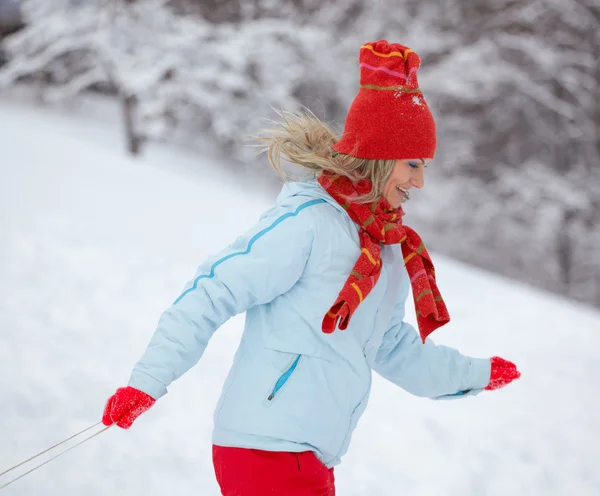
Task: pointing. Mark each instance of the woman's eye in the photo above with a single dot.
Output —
(414, 165)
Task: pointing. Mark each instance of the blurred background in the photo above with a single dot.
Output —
(514, 86)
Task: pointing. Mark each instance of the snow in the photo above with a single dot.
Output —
(94, 245)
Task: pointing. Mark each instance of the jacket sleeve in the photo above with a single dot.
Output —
(256, 268)
(427, 369)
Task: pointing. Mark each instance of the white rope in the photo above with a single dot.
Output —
(50, 448)
(54, 457)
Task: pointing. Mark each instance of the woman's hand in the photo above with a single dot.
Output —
(126, 405)
(503, 373)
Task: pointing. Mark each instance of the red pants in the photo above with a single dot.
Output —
(250, 472)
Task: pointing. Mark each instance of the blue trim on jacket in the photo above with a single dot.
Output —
(250, 243)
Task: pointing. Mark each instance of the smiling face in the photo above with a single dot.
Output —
(406, 174)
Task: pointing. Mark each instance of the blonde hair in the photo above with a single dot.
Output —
(302, 139)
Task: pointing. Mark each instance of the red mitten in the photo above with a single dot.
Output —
(503, 373)
(125, 406)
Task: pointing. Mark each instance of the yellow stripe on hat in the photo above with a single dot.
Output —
(402, 89)
(357, 289)
(368, 254)
(391, 54)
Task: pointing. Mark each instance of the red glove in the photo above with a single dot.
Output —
(125, 406)
(503, 373)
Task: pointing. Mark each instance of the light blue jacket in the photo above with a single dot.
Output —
(292, 387)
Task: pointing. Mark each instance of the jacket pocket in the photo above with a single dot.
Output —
(283, 379)
(460, 394)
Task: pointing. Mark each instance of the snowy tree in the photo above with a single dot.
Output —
(119, 47)
(177, 75)
(10, 16)
(519, 102)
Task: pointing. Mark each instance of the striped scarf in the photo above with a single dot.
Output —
(381, 224)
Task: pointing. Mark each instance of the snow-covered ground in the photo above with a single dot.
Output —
(94, 245)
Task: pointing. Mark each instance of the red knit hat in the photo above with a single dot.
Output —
(389, 118)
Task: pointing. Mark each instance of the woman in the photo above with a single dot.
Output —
(323, 279)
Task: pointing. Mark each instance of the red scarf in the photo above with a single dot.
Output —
(382, 224)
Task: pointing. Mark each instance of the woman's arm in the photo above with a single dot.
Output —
(259, 266)
(426, 369)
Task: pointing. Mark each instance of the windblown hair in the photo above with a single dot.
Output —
(302, 139)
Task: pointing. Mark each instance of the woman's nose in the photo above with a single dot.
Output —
(417, 180)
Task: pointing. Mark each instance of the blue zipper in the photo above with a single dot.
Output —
(284, 378)
(460, 393)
